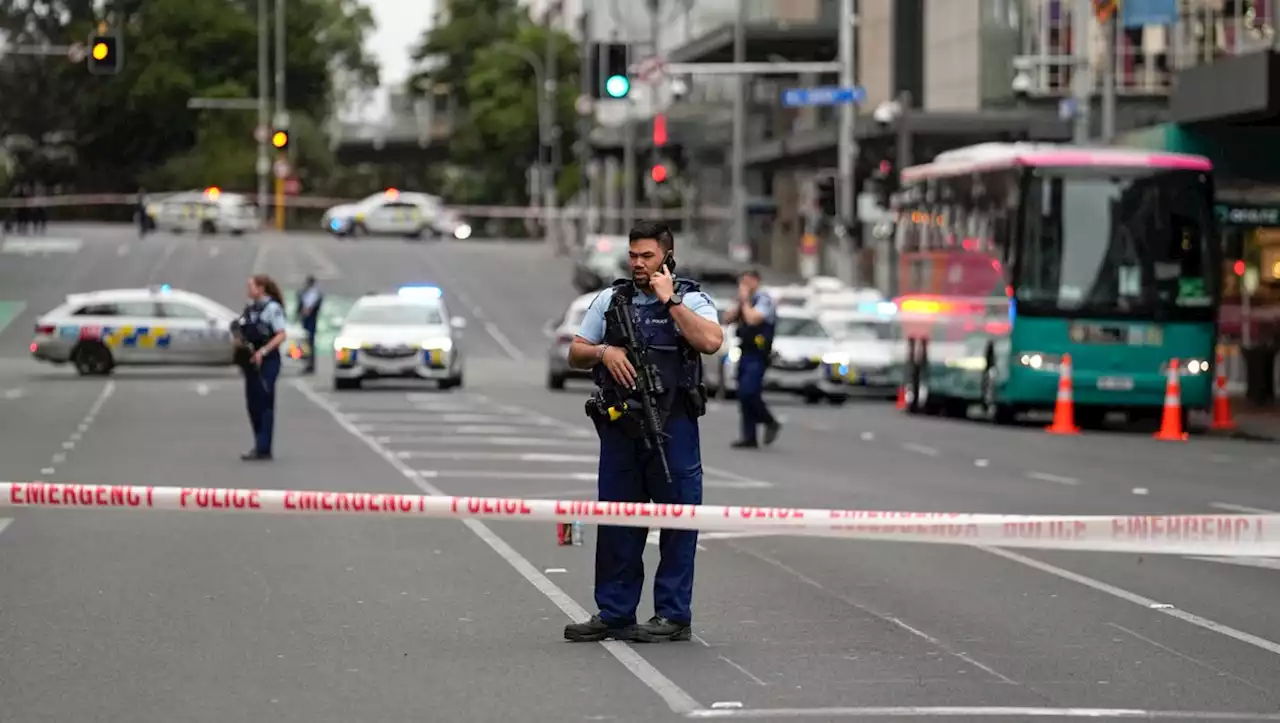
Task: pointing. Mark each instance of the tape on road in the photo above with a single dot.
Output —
(1218, 535)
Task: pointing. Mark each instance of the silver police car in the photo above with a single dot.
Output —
(405, 335)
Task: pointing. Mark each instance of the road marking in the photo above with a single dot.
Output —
(868, 436)
(1141, 491)
(123, 250)
(921, 449)
(981, 463)
(465, 441)
(46, 245)
(202, 390)
(979, 712)
(477, 429)
(325, 268)
(159, 265)
(214, 251)
(15, 393)
(4, 522)
(1136, 599)
(576, 476)
(1265, 563)
(376, 428)
(510, 456)
(1241, 508)
(503, 341)
(1194, 661)
(9, 311)
(410, 417)
(260, 258)
(1046, 477)
(676, 698)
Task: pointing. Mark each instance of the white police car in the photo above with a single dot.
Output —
(100, 330)
(396, 213)
(802, 350)
(405, 335)
(209, 211)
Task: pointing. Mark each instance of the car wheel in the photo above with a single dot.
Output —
(838, 399)
(93, 359)
(345, 384)
(451, 383)
(813, 397)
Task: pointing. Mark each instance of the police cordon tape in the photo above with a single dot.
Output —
(1225, 535)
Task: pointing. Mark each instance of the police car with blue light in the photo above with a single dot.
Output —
(803, 350)
(158, 325)
(396, 213)
(405, 335)
(866, 349)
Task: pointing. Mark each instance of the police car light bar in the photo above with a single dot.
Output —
(419, 292)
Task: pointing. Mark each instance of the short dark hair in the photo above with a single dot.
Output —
(751, 273)
(655, 230)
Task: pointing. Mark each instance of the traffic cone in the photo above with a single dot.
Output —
(902, 396)
(1222, 420)
(1171, 422)
(1064, 414)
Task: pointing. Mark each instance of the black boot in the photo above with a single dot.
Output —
(595, 630)
(662, 630)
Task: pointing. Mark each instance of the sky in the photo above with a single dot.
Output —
(400, 24)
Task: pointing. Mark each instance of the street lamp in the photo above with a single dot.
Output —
(545, 132)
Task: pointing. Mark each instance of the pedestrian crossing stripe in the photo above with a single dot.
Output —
(46, 245)
(136, 337)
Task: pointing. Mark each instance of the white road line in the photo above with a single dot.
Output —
(15, 393)
(507, 456)
(380, 428)
(409, 417)
(921, 449)
(159, 265)
(979, 712)
(4, 522)
(498, 474)
(503, 341)
(202, 390)
(477, 429)
(1262, 563)
(466, 441)
(1046, 477)
(676, 698)
(1136, 599)
(123, 250)
(214, 251)
(325, 268)
(1241, 508)
(260, 258)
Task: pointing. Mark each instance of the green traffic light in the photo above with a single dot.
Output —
(617, 86)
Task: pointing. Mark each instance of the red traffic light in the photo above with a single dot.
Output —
(659, 173)
(660, 130)
(1239, 268)
(885, 168)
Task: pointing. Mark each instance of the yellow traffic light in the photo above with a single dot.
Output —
(280, 139)
(100, 51)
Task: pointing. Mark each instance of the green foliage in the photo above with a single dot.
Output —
(485, 57)
(135, 126)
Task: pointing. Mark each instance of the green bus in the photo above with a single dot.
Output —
(1013, 256)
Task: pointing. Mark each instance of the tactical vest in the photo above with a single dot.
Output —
(678, 363)
(756, 339)
(253, 328)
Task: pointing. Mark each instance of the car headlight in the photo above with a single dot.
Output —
(346, 343)
(1196, 366)
(835, 358)
(462, 232)
(1040, 361)
(970, 363)
(444, 344)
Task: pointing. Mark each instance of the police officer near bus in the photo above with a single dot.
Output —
(678, 324)
(308, 315)
(756, 316)
(259, 332)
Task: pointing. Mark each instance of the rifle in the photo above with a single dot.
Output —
(648, 382)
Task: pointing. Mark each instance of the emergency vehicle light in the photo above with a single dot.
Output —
(418, 292)
(883, 308)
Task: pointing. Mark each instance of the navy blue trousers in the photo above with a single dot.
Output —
(260, 398)
(751, 369)
(629, 473)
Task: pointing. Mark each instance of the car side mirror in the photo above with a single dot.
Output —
(458, 322)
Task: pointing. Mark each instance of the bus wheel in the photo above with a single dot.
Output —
(998, 413)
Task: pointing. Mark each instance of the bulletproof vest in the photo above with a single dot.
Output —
(253, 327)
(678, 363)
(756, 338)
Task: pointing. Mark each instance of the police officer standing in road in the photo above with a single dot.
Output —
(756, 316)
(678, 324)
(308, 315)
(260, 331)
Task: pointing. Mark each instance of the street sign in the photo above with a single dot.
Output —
(281, 168)
(831, 95)
(261, 134)
(292, 186)
(584, 105)
(77, 53)
(650, 69)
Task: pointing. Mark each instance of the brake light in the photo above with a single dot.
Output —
(44, 329)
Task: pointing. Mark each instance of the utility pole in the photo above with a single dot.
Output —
(583, 148)
(903, 160)
(282, 114)
(629, 177)
(551, 162)
(264, 130)
(846, 206)
(655, 7)
(1081, 77)
(738, 204)
(1109, 28)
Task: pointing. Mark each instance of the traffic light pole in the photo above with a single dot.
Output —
(846, 206)
(281, 120)
(264, 164)
(630, 180)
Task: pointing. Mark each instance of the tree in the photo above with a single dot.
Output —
(126, 127)
(483, 56)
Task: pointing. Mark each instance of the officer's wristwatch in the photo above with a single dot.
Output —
(675, 300)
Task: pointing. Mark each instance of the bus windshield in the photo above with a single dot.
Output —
(1117, 242)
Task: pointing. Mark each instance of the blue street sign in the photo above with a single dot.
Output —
(830, 95)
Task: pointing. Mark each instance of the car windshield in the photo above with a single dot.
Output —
(1122, 242)
(405, 314)
(863, 331)
(803, 327)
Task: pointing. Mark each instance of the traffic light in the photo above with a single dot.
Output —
(280, 140)
(827, 196)
(105, 54)
(658, 173)
(609, 71)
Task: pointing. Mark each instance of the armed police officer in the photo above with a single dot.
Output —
(756, 316)
(675, 324)
(260, 331)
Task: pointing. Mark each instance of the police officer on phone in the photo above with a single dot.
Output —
(756, 316)
(678, 324)
(259, 332)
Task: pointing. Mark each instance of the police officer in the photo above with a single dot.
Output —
(308, 314)
(260, 330)
(679, 324)
(756, 316)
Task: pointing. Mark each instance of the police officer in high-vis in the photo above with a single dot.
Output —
(678, 324)
(308, 314)
(756, 316)
(260, 331)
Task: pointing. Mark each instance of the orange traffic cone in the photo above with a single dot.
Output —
(1221, 402)
(902, 396)
(1171, 422)
(1064, 414)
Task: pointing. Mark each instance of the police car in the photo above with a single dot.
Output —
(802, 350)
(396, 213)
(100, 330)
(562, 330)
(406, 335)
(209, 211)
(866, 351)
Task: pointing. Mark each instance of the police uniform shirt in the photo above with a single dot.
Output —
(310, 297)
(764, 303)
(593, 323)
(274, 317)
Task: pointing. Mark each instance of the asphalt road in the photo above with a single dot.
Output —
(166, 617)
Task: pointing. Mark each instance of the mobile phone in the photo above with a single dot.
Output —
(669, 262)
